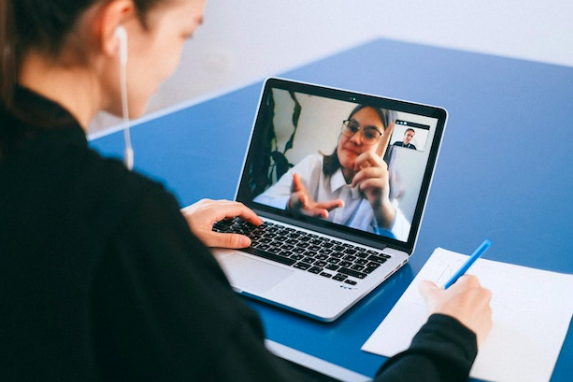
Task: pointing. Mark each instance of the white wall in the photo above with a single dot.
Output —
(244, 41)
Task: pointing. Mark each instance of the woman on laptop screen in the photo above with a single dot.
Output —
(352, 185)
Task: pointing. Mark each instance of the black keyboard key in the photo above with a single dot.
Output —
(255, 235)
(378, 259)
(302, 266)
(299, 250)
(309, 254)
(340, 277)
(270, 256)
(353, 273)
(315, 270)
(263, 246)
(371, 268)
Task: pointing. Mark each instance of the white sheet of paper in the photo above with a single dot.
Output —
(532, 310)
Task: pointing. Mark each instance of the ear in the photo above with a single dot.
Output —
(111, 16)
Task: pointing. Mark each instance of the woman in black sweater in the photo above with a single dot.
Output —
(101, 275)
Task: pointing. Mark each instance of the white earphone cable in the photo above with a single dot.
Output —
(129, 155)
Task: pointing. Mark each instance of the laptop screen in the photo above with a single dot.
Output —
(354, 165)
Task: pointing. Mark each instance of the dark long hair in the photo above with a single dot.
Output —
(331, 163)
(42, 25)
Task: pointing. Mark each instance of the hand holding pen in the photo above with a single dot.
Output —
(464, 299)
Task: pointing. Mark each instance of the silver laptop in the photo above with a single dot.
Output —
(341, 180)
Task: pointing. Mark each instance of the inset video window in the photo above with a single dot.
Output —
(410, 135)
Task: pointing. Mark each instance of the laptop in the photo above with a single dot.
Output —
(341, 179)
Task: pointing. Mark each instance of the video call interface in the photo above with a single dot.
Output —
(301, 130)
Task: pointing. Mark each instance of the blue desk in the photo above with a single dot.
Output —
(505, 170)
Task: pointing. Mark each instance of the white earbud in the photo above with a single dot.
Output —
(121, 35)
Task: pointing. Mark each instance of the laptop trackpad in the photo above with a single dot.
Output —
(252, 275)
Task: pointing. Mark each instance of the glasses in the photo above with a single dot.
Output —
(370, 134)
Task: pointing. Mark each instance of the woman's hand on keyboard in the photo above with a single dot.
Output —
(202, 215)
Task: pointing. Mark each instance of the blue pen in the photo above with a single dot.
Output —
(477, 253)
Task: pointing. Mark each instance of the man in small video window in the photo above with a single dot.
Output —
(408, 136)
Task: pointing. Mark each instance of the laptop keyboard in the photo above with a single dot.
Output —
(322, 256)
